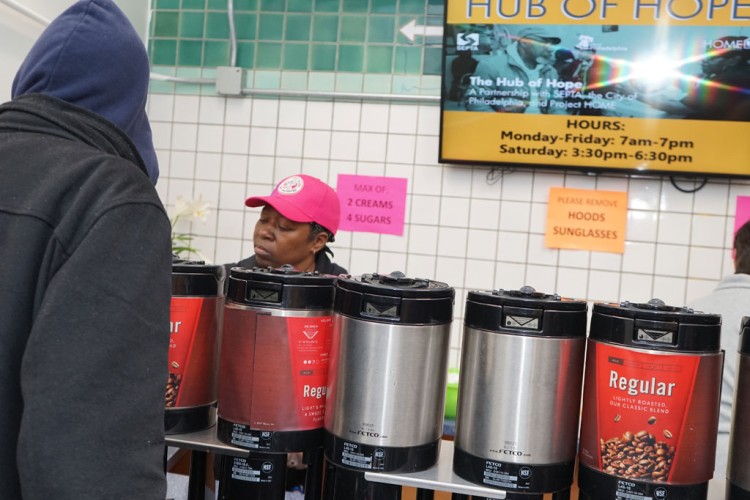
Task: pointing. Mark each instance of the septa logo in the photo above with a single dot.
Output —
(467, 41)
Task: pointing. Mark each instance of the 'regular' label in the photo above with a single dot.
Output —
(654, 414)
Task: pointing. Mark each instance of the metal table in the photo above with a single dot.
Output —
(201, 443)
(440, 477)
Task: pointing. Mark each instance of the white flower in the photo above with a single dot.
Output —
(190, 210)
(187, 211)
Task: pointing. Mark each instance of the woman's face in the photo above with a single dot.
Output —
(278, 241)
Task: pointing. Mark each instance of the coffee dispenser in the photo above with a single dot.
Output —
(738, 467)
(519, 391)
(195, 323)
(272, 379)
(386, 386)
(651, 402)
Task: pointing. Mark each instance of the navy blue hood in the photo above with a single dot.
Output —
(92, 57)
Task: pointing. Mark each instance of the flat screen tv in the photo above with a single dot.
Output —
(637, 86)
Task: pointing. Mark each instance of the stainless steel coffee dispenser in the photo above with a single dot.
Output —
(519, 391)
(386, 385)
(738, 468)
(272, 378)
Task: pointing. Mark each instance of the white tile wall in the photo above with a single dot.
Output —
(472, 227)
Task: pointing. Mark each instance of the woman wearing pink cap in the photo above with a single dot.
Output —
(299, 218)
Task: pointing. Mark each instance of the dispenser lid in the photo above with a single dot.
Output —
(525, 312)
(196, 278)
(656, 325)
(283, 287)
(394, 298)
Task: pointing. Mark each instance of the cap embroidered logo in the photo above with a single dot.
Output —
(291, 185)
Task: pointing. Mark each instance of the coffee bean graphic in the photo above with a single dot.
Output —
(173, 386)
(637, 456)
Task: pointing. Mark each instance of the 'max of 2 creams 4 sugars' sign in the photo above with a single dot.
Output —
(372, 204)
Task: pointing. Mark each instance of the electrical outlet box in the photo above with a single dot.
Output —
(230, 80)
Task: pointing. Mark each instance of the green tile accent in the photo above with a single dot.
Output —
(323, 57)
(411, 6)
(433, 61)
(217, 25)
(377, 84)
(191, 24)
(298, 27)
(353, 28)
(167, 4)
(164, 52)
(325, 28)
(382, 29)
(268, 56)
(294, 80)
(295, 56)
(436, 8)
(245, 25)
(349, 82)
(408, 60)
(272, 5)
(211, 88)
(271, 27)
(327, 5)
(403, 84)
(385, 6)
(216, 53)
(379, 59)
(246, 54)
(354, 6)
(244, 5)
(194, 4)
(189, 53)
(159, 86)
(189, 88)
(345, 45)
(431, 84)
(267, 79)
(166, 24)
(299, 5)
(322, 82)
(351, 57)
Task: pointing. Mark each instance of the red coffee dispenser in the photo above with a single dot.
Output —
(195, 322)
(650, 402)
(272, 383)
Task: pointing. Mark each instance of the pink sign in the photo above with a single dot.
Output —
(743, 212)
(372, 204)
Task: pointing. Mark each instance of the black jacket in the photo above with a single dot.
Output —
(85, 263)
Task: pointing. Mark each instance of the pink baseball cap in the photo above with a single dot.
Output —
(303, 198)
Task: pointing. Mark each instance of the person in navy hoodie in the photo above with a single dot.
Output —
(85, 263)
